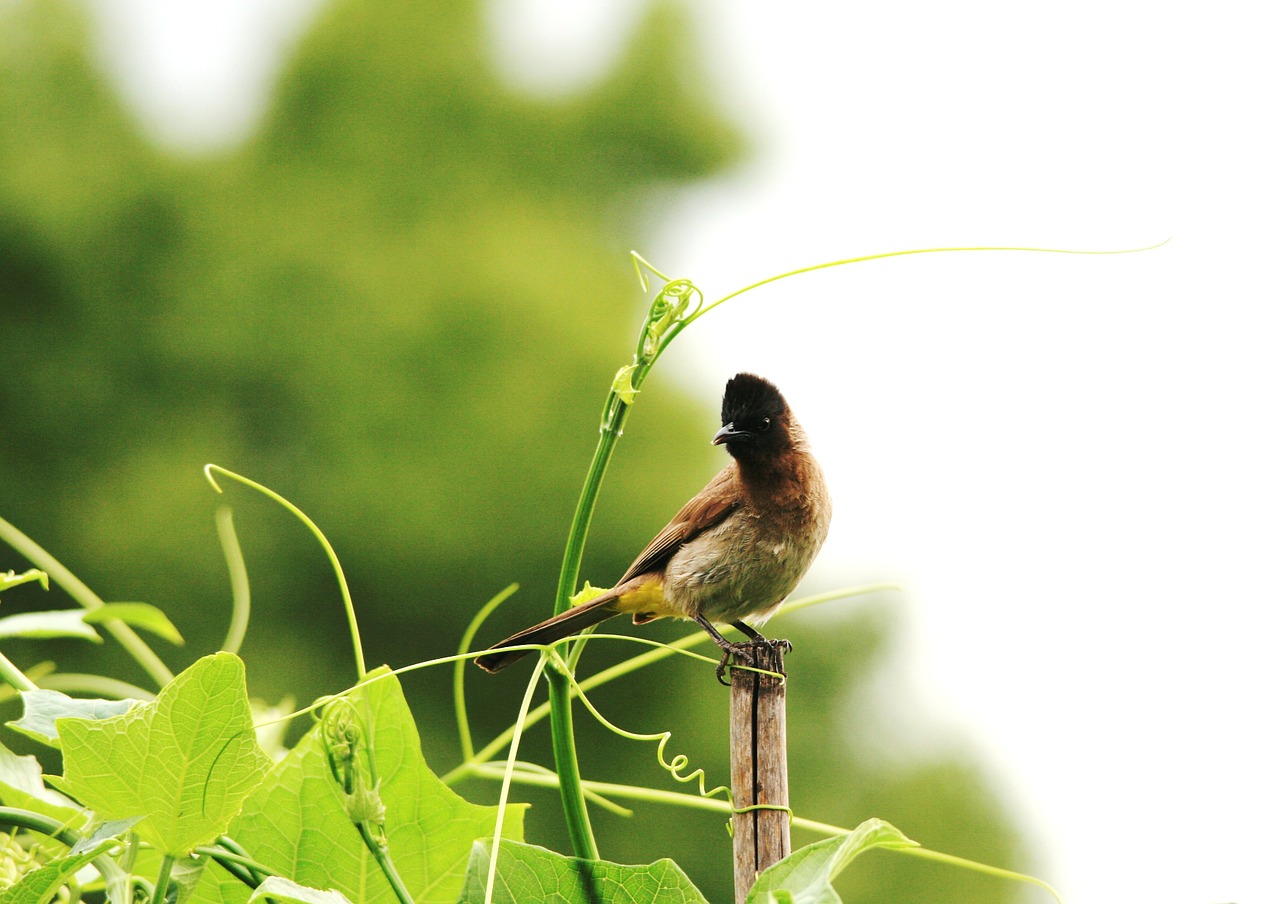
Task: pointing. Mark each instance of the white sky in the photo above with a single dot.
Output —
(1071, 462)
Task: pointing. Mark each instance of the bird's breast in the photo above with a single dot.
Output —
(747, 564)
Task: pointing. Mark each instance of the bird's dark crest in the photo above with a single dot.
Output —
(748, 397)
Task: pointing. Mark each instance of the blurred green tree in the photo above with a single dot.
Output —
(400, 305)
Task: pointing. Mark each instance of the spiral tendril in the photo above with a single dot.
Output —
(674, 767)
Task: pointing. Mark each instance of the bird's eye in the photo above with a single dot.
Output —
(765, 423)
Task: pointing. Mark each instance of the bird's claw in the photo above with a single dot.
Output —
(748, 649)
(720, 669)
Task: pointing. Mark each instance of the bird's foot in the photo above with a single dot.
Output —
(751, 651)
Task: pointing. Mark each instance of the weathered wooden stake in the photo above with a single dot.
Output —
(758, 766)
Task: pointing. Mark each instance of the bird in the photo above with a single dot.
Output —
(734, 551)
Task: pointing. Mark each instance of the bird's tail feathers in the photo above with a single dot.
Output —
(571, 621)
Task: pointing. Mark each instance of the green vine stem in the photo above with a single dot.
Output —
(36, 822)
(162, 880)
(572, 796)
(95, 685)
(234, 864)
(236, 860)
(677, 300)
(383, 857)
(14, 676)
(134, 645)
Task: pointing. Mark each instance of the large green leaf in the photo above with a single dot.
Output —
(528, 874)
(185, 762)
(297, 821)
(805, 876)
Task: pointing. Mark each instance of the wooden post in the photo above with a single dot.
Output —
(758, 765)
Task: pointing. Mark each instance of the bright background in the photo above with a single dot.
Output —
(1069, 462)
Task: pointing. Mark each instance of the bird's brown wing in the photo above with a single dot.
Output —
(713, 504)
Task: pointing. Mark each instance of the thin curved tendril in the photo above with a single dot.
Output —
(506, 784)
(701, 310)
(952, 860)
(460, 668)
(641, 265)
(677, 762)
(529, 771)
(347, 603)
(239, 577)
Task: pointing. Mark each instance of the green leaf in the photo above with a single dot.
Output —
(136, 615)
(296, 822)
(41, 710)
(10, 579)
(185, 763)
(22, 786)
(55, 623)
(281, 889)
(805, 876)
(527, 873)
(40, 885)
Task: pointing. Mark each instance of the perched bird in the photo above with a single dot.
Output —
(735, 550)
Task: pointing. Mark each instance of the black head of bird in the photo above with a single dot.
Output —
(755, 419)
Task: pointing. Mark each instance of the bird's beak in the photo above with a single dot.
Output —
(725, 434)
